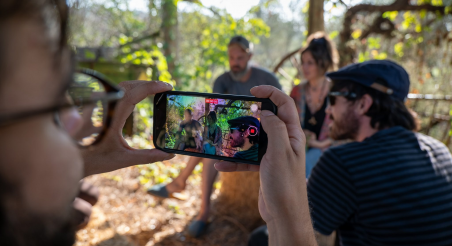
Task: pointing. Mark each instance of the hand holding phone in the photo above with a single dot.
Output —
(216, 126)
(283, 202)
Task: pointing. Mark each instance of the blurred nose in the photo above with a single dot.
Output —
(328, 109)
(71, 121)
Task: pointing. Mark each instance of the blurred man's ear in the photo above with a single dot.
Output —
(249, 56)
(364, 104)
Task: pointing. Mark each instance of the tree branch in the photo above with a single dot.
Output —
(142, 38)
(276, 69)
(398, 5)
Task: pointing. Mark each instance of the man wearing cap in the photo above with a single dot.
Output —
(392, 186)
(244, 135)
(242, 77)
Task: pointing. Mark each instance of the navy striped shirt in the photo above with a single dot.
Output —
(394, 188)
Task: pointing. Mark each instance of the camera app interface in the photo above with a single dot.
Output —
(222, 127)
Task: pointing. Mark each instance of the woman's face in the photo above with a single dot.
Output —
(309, 66)
(210, 121)
(187, 116)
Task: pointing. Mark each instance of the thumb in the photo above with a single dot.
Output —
(141, 156)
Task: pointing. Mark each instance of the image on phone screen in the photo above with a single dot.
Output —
(213, 126)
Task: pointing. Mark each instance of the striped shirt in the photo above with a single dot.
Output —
(394, 188)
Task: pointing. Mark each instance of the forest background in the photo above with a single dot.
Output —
(184, 42)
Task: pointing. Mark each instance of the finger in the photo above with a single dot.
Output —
(140, 156)
(135, 91)
(128, 85)
(142, 90)
(226, 166)
(287, 111)
(277, 134)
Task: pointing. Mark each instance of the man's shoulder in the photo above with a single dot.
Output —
(260, 71)
(223, 78)
(427, 142)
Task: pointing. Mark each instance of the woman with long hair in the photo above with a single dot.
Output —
(212, 135)
(318, 58)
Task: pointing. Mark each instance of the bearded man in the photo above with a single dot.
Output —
(242, 77)
(392, 186)
(244, 135)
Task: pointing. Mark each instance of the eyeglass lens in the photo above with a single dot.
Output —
(86, 93)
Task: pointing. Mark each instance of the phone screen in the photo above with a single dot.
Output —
(213, 126)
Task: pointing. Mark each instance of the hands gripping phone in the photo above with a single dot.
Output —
(216, 126)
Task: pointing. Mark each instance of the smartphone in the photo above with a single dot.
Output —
(215, 126)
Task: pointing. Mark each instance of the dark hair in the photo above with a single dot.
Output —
(385, 111)
(189, 111)
(213, 116)
(323, 51)
(254, 139)
(41, 10)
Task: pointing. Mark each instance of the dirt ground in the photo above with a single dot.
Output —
(126, 215)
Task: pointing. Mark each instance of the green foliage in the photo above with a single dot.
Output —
(204, 55)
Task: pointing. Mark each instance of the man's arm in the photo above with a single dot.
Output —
(283, 202)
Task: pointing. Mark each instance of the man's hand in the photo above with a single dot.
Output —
(282, 195)
(113, 152)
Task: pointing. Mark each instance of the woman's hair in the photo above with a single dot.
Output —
(213, 116)
(323, 50)
(385, 111)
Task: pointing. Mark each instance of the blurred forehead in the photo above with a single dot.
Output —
(235, 49)
(32, 73)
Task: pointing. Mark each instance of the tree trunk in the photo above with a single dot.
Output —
(238, 198)
(169, 29)
(315, 19)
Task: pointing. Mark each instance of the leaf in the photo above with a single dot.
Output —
(333, 34)
(398, 49)
(391, 15)
(356, 34)
(89, 55)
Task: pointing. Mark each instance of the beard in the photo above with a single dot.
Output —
(344, 128)
(237, 76)
(36, 230)
(237, 142)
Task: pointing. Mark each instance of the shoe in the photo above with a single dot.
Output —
(197, 228)
(161, 191)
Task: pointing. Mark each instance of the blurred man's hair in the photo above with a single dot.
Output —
(51, 14)
(323, 50)
(385, 111)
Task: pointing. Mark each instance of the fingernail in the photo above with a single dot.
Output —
(169, 157)
(267, 113)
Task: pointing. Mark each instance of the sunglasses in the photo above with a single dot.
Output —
(231, 130)
(332, 96)
(92, 96)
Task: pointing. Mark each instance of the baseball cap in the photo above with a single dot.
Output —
(243, 42)
(382, 75)
(243, 122)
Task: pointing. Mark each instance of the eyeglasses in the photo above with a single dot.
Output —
(94, 98)
(332, 96)
(231, 130)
